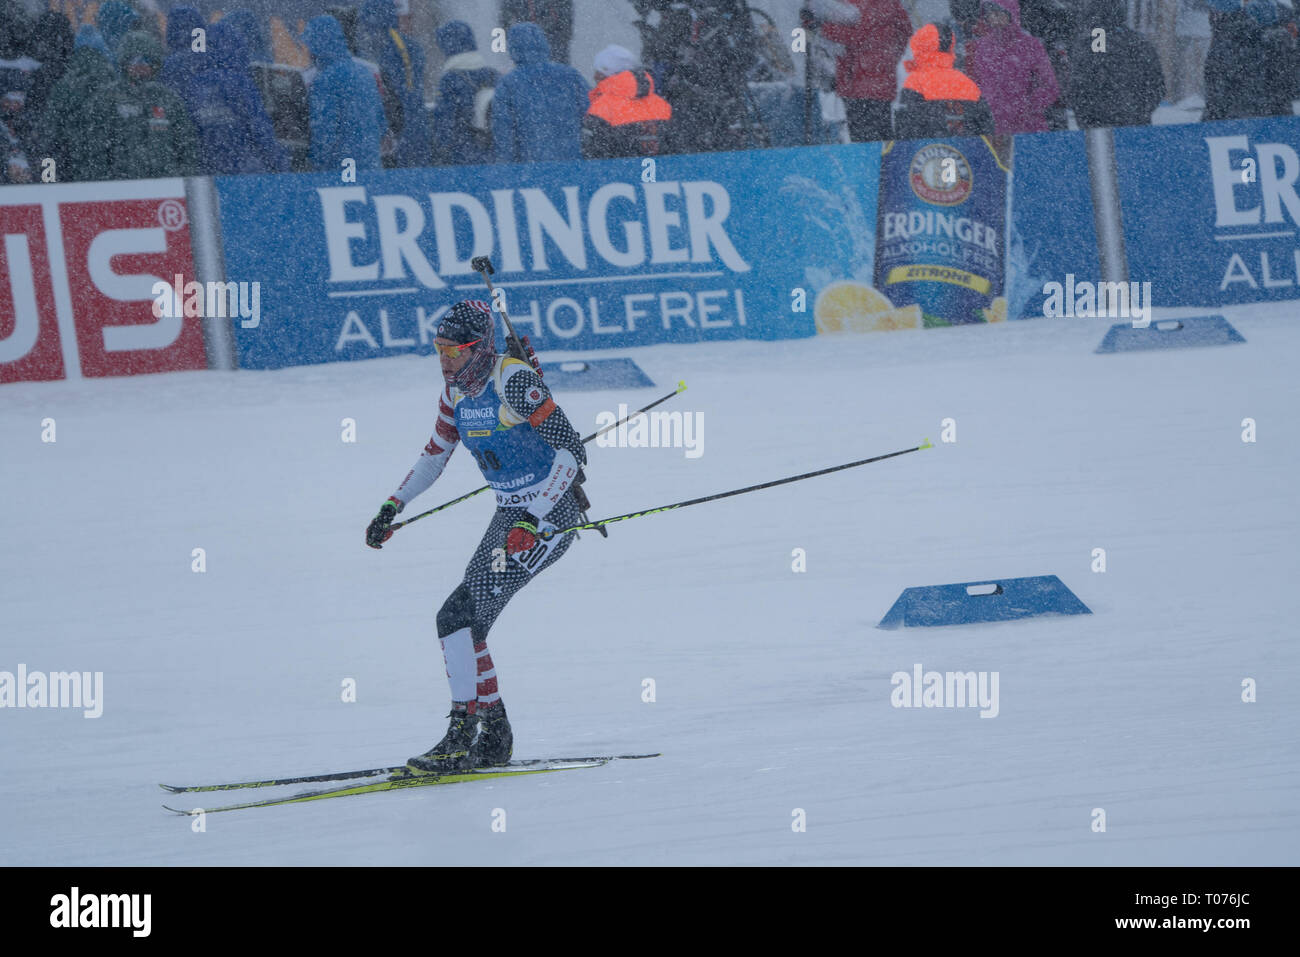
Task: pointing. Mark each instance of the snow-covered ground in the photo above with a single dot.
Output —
(772, 686)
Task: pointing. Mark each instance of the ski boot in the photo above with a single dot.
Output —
(495, 742)
(452, 753)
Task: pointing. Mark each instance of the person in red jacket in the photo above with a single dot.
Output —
(865, 76)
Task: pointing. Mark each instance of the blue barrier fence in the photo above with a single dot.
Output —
(589, 255)
(623, 253)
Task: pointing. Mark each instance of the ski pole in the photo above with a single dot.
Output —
(681, 387)
(740, 491)
(523, 349)
(514, 345)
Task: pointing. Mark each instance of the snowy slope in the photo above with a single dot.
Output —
(773, 687)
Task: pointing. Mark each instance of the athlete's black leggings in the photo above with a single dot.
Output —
(484, 592)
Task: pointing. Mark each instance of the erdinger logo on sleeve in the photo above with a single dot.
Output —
(534, 394)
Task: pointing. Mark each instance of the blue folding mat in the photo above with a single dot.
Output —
(1170, 334)
(590, 375)
(966, 603)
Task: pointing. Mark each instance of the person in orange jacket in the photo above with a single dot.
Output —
(937, 99)
(626, 117)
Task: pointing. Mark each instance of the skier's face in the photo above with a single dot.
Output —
(450, 357)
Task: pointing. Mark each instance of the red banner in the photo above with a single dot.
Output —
(93, 278)
(29, 330)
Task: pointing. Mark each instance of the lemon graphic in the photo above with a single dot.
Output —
(996, 311)
(905, 317)
(849, 306)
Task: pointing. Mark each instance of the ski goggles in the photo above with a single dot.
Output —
(454, 351)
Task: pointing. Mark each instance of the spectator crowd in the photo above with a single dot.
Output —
(1021, 66)
(131, 95)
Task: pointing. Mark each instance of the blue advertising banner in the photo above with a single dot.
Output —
(970, 230)
(1053, 230)
(591, 255)
(1211, 210)
(942, 229)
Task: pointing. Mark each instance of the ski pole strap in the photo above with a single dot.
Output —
(740, 491)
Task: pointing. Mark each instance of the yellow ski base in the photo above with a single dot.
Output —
(414, 781)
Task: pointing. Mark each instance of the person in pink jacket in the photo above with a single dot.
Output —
(1012, 69)
(865, 74)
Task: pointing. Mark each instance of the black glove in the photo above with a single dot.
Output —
(378, 532)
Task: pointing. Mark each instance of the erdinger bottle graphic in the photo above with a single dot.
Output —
(941, 228)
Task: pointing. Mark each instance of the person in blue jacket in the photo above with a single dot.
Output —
(235, 134)
(401, 65)
(347, 116)
(250, 28)
(182, 60)
(539, 105)
(462, 131)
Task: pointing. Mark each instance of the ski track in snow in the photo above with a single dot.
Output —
(773, 688)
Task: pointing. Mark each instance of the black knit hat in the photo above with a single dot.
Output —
(466, 321)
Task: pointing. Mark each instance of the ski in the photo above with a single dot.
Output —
(381, 772)
(413, 781)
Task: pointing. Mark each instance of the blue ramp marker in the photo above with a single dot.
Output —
(967, 603)
(1171, 334)
(590, 375)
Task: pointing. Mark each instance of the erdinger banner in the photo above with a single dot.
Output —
(1211, 210)
(589, 255)
(941, 234)
(78, 265)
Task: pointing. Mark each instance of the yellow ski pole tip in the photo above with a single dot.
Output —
(681, 386)
(925, 445)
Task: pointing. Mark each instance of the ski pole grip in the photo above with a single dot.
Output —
(482, 264)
